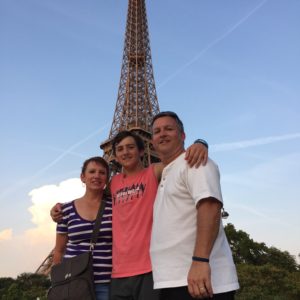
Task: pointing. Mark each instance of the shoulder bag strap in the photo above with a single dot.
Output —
(97, 224)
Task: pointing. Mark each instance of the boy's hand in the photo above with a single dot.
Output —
(196, 155)
(56, 212)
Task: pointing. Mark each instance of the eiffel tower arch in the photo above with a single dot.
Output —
(137, 99)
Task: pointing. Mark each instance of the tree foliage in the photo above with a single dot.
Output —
(27, 286)
(267, 282)
(264, 272)
(247, 251)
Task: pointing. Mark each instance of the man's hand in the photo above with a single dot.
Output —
(196, 155)
(56, 213)
(199, 282)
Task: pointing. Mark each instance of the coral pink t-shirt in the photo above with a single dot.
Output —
(132, 201)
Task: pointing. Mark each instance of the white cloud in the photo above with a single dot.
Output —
(5, 234)
(31, 247)
(43, 198)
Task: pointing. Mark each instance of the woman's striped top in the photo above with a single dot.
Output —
(79, 233)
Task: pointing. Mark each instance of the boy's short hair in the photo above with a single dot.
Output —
(126, 133)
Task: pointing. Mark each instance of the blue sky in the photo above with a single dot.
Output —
(230, 69)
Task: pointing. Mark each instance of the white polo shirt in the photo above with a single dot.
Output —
(174, 227)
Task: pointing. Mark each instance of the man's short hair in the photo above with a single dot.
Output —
(124, 134)
(169, 114)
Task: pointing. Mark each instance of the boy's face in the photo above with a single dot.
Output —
(127, 153)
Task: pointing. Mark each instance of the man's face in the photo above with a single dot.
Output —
(127, 153)
(167, 138)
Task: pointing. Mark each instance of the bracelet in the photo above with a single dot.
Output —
(201, 141)
(202, 259)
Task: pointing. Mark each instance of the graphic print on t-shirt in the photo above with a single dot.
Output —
(129, 193)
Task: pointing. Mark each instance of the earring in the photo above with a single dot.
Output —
(104, 187)
(83, 184)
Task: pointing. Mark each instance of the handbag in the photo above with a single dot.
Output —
(73, 278)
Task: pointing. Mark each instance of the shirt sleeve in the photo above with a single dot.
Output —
(204, 182)
(62, 226)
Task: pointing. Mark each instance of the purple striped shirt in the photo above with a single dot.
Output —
(79, 233)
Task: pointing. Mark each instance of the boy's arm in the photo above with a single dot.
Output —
(197, 153)
(158, 168)
(56, 213)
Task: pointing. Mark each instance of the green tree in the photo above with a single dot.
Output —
(5, 283)
(27, 286)
(264, 273)
(281, 259)
(244, 249)
(247, 251)
(13, 292)
(268, 283)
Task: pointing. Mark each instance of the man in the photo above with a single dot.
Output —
(190, 255)
(133, 194)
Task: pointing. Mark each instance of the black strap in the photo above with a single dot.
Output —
(97, 224)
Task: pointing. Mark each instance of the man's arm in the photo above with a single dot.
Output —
(208, 222)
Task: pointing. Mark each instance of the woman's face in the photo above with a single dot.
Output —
(95, 176)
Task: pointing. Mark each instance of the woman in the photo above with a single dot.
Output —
(73, 233)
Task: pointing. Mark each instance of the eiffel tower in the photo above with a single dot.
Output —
(137, 100)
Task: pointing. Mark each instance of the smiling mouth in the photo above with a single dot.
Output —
(96, 182)
(126, 158)
(163, 142)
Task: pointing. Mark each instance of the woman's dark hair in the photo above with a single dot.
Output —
(124, 134)
(169, 114)
(98, 160)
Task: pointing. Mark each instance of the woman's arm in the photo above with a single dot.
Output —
(60, 248)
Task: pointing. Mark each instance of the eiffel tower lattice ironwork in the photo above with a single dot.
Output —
(137, 99)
